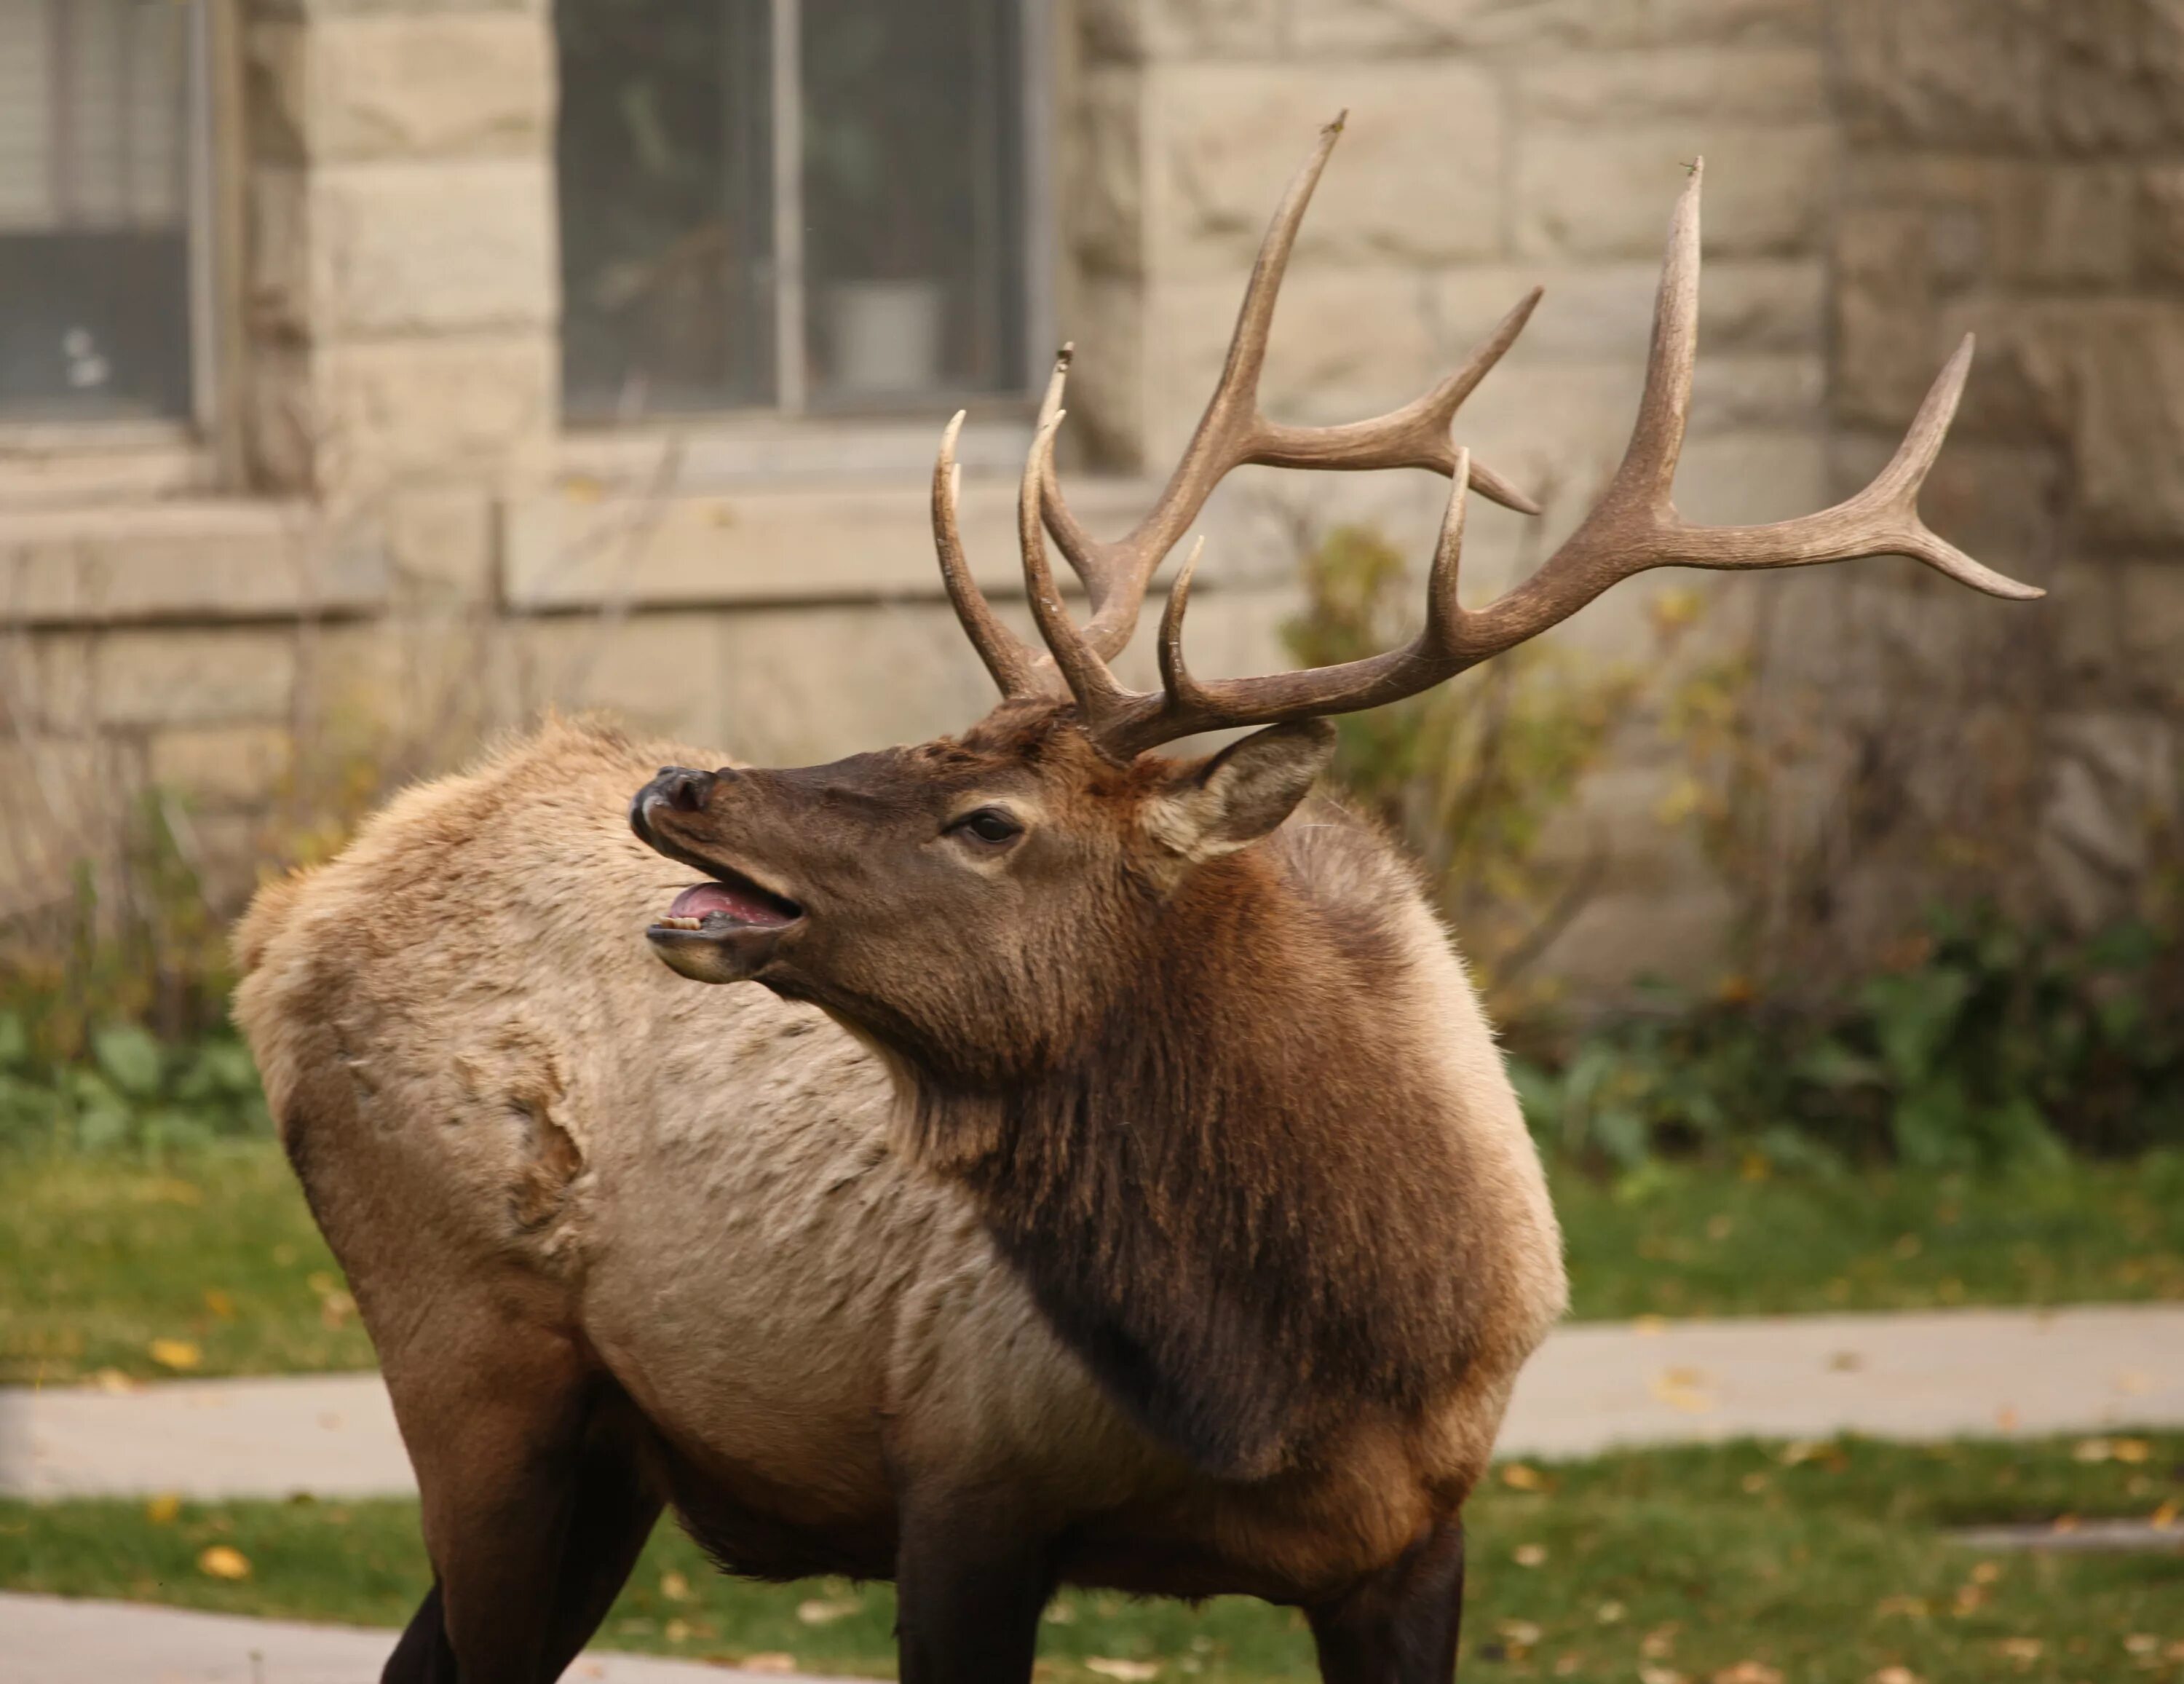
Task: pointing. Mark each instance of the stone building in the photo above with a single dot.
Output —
(384, 369)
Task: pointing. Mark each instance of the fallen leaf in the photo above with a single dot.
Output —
(1986, 1572)
(1910, 1607)
(677, 1632)
(1650, 1674)
(2092, 1450)
(2022, 1650)
(674, 1586)
(1749, 1672)
(1529, 1555)
(1753, 1484)
(178, 1354)
(220, 1562)
(1519, 1477)
(113, 1379)
(219, 1303)
(1908, 1245)
(1650, 1327)
(1846, 1362)
(162, 1509)
(1108, 1668)
(2164, 1517)
(2133, 1450)
(1521, 1633)
(1059, 1614)
(1657, 1644)
(1611, 1613)
(818, 1613)
(1681, 1389)
(1895, 1675)
(2142, 1643)
(771, 1661)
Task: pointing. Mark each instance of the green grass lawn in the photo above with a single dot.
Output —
(1673, 1241)
(1827, 1563)
(209, 1262)
(209, 1258)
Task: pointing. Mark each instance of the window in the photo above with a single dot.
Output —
(97, 179)
(792, 204)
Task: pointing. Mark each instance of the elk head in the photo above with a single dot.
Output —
(977, 902)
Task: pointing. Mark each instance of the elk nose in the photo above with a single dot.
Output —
(683, 790)
(676, 787)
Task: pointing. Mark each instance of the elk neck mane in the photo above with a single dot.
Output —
(1242, 1198)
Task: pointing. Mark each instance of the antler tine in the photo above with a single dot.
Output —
(1635, 527)
(1097, 695)
(1124, 724)
(1003, 651)
(1232, 433)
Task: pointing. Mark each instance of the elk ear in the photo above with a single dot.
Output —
(1241, 794)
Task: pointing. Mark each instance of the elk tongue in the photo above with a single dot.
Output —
(732, 901)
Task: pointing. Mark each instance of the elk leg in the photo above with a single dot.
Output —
(534, 1511)
(1400, 1624)
(969, 1590)
(611, 1514)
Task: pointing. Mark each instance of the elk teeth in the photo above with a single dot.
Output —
(681, 923)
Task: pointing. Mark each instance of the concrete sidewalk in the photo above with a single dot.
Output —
(1593, 1386)
(49, 1641)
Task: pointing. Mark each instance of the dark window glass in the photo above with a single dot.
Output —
(904, 268)
(667, 249)
(911, 193)
(94, 190)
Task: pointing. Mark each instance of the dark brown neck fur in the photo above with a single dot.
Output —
(1242, 1202)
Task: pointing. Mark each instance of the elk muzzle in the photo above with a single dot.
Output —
(726, 929)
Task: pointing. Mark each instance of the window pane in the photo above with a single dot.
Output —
(666, 254)
(94, 186)
(910, 155)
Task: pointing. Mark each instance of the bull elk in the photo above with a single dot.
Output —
(1113, 1181)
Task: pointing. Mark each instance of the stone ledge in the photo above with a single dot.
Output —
(806, 545)
(185, 561)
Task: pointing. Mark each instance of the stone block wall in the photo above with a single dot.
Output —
(2014, 169)
(400, 297)
(416, 540)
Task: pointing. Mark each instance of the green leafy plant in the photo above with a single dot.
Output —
(130, 1090)
(1981, 1046)
(1470, 775)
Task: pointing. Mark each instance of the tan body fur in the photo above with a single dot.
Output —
(512, 1120)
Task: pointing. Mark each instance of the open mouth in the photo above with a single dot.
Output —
(732, 901)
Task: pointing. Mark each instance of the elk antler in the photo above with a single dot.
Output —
(1635, 527)
(1231, 434)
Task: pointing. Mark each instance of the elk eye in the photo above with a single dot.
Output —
(989, 825)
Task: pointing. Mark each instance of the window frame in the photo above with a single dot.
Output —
(790, 410)
(211, 182)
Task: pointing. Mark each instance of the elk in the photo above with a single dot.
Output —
(1113, 1178)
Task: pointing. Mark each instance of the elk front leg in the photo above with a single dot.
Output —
(1399, 1625)
(971, 1582)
